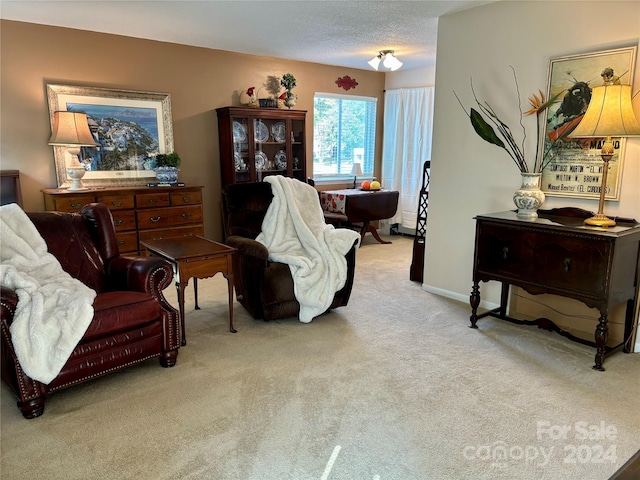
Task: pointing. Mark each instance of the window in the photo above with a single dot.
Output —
(344, 128)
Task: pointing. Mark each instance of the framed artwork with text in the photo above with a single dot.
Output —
(575, 165)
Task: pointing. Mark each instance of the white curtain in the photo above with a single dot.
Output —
(408, 119)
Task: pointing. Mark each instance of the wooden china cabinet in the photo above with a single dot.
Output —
(257, 142)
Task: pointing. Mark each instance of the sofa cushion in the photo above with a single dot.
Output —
(118, 311)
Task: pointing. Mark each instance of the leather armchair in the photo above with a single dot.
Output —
(263, 287)
(132, 320)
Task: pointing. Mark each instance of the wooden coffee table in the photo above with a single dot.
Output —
(194, 257)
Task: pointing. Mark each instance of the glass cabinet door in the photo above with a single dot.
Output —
(270, 146)
(257, 142)
(297, 136)
(242, 164)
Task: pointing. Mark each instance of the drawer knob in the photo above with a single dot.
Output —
(186, 198)
(567, 264)
(155, 219)
(120, 243)
(153, 200)
(117, 203)
(76, 205)
(505, 252)
(186, 215)
(117, 223)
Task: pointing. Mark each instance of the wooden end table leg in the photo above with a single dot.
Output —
(180, 288)
(195, 291)
(230, 286)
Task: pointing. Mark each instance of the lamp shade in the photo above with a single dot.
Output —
(610, 114)
(391, 62)
(356, 170)
(71, 128)
(374, 62)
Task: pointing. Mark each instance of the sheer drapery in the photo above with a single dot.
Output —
(408, 119)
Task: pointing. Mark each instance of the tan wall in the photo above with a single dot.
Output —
(198, 79)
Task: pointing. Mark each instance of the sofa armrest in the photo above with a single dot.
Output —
(248, 247)
(141, 274)
(8, 304)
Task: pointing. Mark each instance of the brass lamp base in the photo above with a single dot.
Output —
(600, 220)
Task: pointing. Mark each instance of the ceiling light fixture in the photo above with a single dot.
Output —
(388, 59)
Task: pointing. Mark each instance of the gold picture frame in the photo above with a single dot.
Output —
(130, 126)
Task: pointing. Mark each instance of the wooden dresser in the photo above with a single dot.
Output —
(139, 213)
(558, 254)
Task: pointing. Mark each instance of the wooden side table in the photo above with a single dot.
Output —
(194, 257)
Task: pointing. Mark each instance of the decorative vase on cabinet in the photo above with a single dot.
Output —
(529, 198)
(257, 142)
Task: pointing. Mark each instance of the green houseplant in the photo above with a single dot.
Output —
(168, 160)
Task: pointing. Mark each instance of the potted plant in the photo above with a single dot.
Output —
(288, 81)
(167, 167)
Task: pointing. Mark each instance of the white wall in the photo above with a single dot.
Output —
(470, 176)
(418, 77)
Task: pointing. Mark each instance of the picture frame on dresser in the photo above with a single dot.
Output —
(131, 128)
(576, 164)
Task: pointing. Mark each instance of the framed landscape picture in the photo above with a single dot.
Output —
(131, 128)
(576, 166)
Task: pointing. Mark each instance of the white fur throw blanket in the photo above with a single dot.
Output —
(294, 232)
(54, 309)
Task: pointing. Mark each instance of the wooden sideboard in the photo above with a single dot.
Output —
(558, 254)
(139, 213)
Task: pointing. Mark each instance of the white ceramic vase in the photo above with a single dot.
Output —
(291, 99)
(529, 198)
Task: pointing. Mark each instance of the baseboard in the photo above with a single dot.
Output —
(456, 296)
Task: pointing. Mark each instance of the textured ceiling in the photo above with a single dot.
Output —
(342, 33)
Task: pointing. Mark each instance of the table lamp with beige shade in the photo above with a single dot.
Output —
(609, 114)
(71, 130)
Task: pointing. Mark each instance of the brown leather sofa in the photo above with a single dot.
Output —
(132, 320)
(264, 288)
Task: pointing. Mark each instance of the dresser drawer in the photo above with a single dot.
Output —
(73, 203)
(124, 220)
(116, 202)
(575, 263)
(138, 213)
(127, 242)
(186, 198)
(505, 251)
(153, 200)
(155, 218)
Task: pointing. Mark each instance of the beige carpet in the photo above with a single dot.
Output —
(393, 386)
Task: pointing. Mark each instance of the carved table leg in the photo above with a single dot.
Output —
(195, 291)
(230, 287)
(601, 336)
(180, 286)
(474, 299)
(367, 227)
